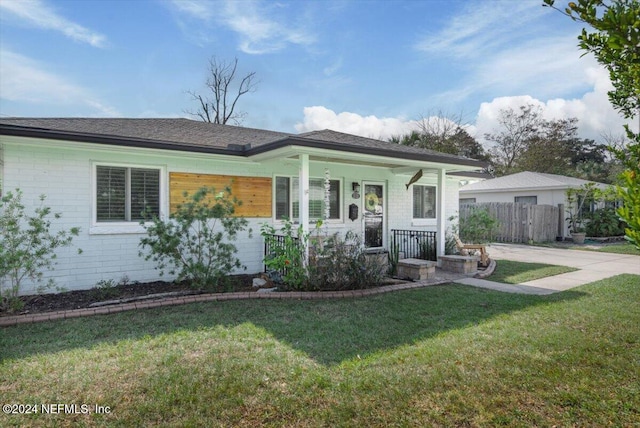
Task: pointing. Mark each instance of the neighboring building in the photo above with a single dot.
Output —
(101, 173)
(525, 187)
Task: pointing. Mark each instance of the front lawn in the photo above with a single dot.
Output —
(512, 272)
(438, 356)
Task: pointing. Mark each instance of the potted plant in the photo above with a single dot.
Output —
(575, 201)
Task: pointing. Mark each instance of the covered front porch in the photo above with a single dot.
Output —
(398, 202)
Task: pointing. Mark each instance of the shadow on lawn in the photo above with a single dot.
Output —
(328, 331)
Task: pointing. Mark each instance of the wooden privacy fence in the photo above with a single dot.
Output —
(520, 222)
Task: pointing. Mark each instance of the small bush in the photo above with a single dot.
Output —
(105, 289)
(478, 226)
(196, 243)
(393, 257)
(335, 263)
(28, 247)
(605, 222)
(285, 262)
(343, 264)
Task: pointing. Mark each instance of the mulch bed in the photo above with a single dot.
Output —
(40, 303)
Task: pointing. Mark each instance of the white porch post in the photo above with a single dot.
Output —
(304, 198)
(442, 212)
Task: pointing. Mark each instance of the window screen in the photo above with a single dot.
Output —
(424, 201)
(125, 194)
(111, 193)
(145, 195)
(289, 190)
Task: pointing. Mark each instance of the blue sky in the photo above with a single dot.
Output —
(371, 68)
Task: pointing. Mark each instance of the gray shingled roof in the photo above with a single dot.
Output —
(194, 135)
(185, 132)
(525, 180)
(355, 140)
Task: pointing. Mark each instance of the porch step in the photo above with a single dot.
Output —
(467, 265)
(416, 269)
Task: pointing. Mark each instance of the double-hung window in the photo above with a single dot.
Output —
(287, 198)
(126, 194)
(424, 201)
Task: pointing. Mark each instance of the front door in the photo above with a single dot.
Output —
(373, 218)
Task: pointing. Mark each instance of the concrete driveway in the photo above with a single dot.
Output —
(591, 265)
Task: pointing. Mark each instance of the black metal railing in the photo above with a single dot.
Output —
(273, 243)
(417, 244)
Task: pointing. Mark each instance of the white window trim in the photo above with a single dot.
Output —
(338, 220)
(525, 196)
(124, 227)
(421, 222)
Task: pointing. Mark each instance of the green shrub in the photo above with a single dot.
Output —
(105, 289)
(394, 257)
(343, 264)
(196, 242)
(28, 247)
(605, 222)
(335, 263)
(285, 262)
(478, 226)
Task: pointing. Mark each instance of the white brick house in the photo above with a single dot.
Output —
(79, 164)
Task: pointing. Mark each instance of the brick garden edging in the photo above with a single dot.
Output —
(174, 301)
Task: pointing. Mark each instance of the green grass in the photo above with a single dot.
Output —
(438, 356)
(617, 248)
(625, 248)
(512, 272)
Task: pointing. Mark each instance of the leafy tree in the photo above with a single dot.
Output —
(586, 150)
(220, 107)
(445, 135)
(614, 38)
(549, 150)
(518, 128)
(28, 246)
(527, 142)
(196, 243)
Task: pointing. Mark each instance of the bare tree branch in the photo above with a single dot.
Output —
(221, 106)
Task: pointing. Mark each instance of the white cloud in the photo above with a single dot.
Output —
(596, 116)
(333, 68)
(318, 117)
(25, 80)
(503, 48)
(195, 8)
(36, 12)
(479, 29)
(260, 26)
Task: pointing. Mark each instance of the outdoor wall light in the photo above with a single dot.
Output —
(355, 186)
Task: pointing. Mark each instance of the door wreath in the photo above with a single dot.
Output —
(371, 201)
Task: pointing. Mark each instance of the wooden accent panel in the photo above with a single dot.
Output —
(254, 192)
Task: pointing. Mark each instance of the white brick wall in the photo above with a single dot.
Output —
(63, 172)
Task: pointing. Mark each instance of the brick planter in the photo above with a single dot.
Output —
(416, 269)
(467, 265)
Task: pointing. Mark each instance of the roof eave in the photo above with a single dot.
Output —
(373, 151)
(516, 189)
(81, 137)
